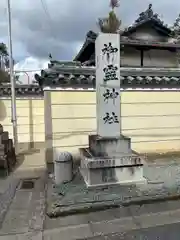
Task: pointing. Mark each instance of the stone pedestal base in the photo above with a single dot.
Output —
(103, 177)
(107, 161)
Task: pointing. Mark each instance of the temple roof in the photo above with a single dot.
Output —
(76, 75)
(88, 49)
(146, 18)
(149, 16)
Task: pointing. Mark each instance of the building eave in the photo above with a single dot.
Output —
(90, 38)
(146, 43)
(86, 43)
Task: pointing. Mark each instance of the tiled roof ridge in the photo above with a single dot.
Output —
(83, 75)
(21, 90)
(148, 14)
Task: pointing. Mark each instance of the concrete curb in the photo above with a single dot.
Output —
(61, 211)
(150, 200)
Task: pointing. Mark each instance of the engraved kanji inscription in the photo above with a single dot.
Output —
(108, 51)
(110, 73)
(110, 118)
(110, 94)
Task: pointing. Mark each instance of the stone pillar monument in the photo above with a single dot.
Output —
(108, 85)
(109, 158)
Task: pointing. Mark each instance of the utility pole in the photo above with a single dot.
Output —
(13, 91)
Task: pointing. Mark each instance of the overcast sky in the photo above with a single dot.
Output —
(62, 32)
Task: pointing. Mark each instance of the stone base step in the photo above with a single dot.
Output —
(113, 176)
(119, 160)
(107, 147)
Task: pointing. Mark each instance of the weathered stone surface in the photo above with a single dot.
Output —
(110, 160)
(75, 194)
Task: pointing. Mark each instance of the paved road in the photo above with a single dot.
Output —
(146, 225)
(156, 225)
(166, 232)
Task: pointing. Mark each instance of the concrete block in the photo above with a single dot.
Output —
(113, 175)
(109, 147)
(111, 161)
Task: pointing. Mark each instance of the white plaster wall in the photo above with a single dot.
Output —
(151, 119)
(30, 121)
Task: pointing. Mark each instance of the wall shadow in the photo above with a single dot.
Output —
(48, 128)
(31, 133)
(3, 112)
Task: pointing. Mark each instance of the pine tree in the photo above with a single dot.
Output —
(176, 28)
(111, 24)
(4, 63)
(176, 35)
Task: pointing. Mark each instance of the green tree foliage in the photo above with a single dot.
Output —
(4, 77)
(111, 24)
(176, 28)
(3, 49)
(4, 63)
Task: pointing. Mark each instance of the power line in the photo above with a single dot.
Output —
(46, 11)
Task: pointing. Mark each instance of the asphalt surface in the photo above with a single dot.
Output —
(165, 232)
(146, 222)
